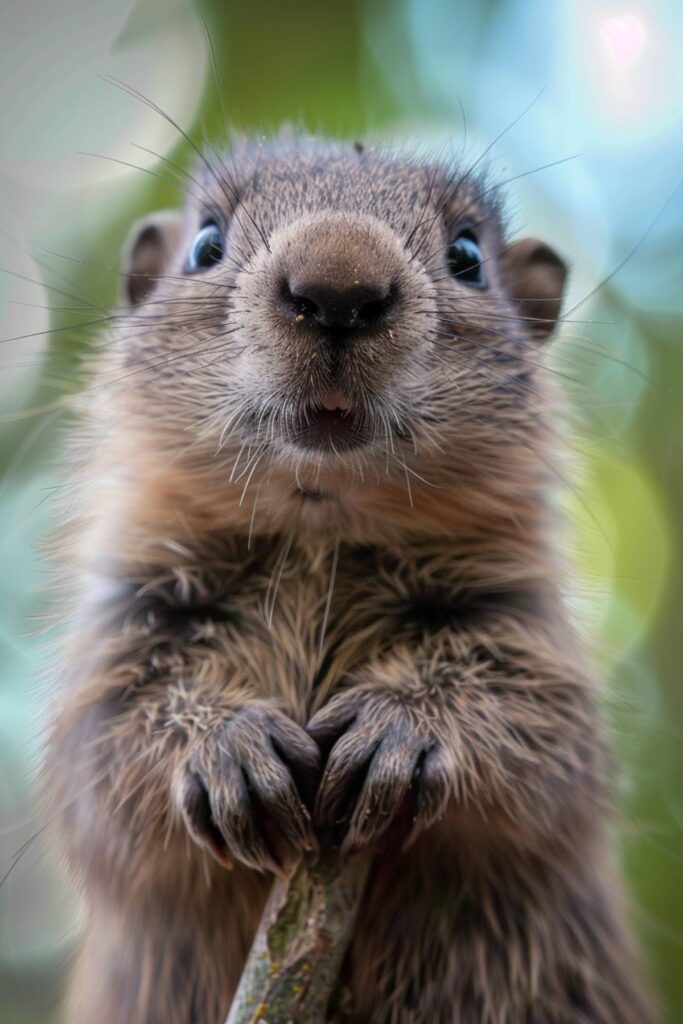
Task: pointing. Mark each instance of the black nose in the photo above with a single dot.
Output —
(339, 310)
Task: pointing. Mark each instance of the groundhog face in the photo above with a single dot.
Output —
(323, 304)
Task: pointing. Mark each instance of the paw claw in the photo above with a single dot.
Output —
(239, 796)
(380, 762)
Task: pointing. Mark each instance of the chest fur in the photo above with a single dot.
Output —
(289, 622)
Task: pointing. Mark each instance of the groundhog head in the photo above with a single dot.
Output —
(325, 304)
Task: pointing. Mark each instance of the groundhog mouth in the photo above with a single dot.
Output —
(332, 423)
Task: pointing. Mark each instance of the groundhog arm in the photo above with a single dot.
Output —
(490, 722)
(157, 741)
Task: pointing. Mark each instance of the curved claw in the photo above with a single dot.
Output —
(380, 763)
(238, 794)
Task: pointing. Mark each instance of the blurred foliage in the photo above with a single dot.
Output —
(602, 80)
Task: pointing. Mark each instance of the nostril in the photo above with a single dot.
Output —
(301, 304)
(373, 310)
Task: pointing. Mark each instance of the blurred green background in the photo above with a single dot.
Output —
(603, 84)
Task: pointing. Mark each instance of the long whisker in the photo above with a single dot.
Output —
(629, 255)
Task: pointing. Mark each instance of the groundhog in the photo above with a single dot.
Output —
(317, 597)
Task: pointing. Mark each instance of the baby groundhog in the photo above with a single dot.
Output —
(317, 600)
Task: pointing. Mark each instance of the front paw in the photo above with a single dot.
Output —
(242, 791)
(385, 764)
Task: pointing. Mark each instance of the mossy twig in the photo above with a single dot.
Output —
(295, 958)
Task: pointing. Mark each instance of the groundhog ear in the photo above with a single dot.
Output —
(147, 252)
(534, 276)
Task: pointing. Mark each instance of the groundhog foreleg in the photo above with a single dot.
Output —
(492, 721)
(151, 773)
(503, 910)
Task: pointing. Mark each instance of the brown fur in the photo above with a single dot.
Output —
(232, 582)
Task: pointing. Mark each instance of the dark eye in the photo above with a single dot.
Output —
(207, 248)
(465, 260)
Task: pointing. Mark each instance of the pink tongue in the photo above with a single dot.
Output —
(334, 400)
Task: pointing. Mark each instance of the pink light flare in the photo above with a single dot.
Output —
(624, 39)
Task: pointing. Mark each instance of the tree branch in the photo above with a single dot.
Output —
(296, 955)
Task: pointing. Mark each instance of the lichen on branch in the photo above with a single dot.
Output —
(293, 966)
